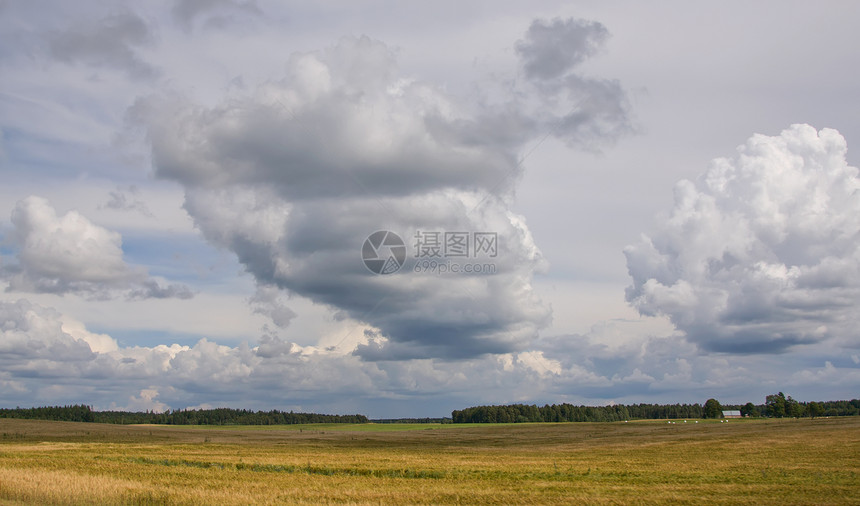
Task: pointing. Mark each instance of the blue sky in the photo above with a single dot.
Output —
(186, 186)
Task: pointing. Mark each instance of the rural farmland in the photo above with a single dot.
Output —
(747, 461)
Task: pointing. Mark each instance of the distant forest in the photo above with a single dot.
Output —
(776, 406)
(219, 416)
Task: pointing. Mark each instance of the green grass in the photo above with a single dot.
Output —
(320, 427)
(646, 462)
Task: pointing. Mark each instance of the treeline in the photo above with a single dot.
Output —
(412, 420)
(778, 406)
(219, 416)
(75, 413)
(517, 413)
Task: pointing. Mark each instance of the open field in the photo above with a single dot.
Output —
(750, 461)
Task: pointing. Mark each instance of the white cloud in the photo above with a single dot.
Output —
(43, 363)
(70, 254)
(99, 343)
(828, 376)
(762, 252)
(146, 401)
(31, 332)
(536, 361)
(68, 247)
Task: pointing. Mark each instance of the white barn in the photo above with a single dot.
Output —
(733, 413)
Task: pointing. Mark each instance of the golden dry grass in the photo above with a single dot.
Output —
(786, 461)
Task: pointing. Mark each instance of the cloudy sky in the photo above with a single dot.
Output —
(597, 201)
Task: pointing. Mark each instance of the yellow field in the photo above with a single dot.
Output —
(757, 461)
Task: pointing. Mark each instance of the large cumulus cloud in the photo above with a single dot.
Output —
(71, 254)
(762, 252)
(295, 176)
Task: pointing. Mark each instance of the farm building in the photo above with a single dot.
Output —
(732, 414)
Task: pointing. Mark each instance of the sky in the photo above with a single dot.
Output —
(400, 209)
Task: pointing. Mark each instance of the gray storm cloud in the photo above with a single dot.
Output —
(585, 112)
(762, 252)
(111, 42)
(555, 47)
(212, 13)
(294, 177)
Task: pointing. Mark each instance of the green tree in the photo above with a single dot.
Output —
(793, 408)
(815, 409)
(748, 409)
(712, 409)
(775, 405)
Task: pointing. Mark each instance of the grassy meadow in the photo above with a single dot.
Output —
(743, 461)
